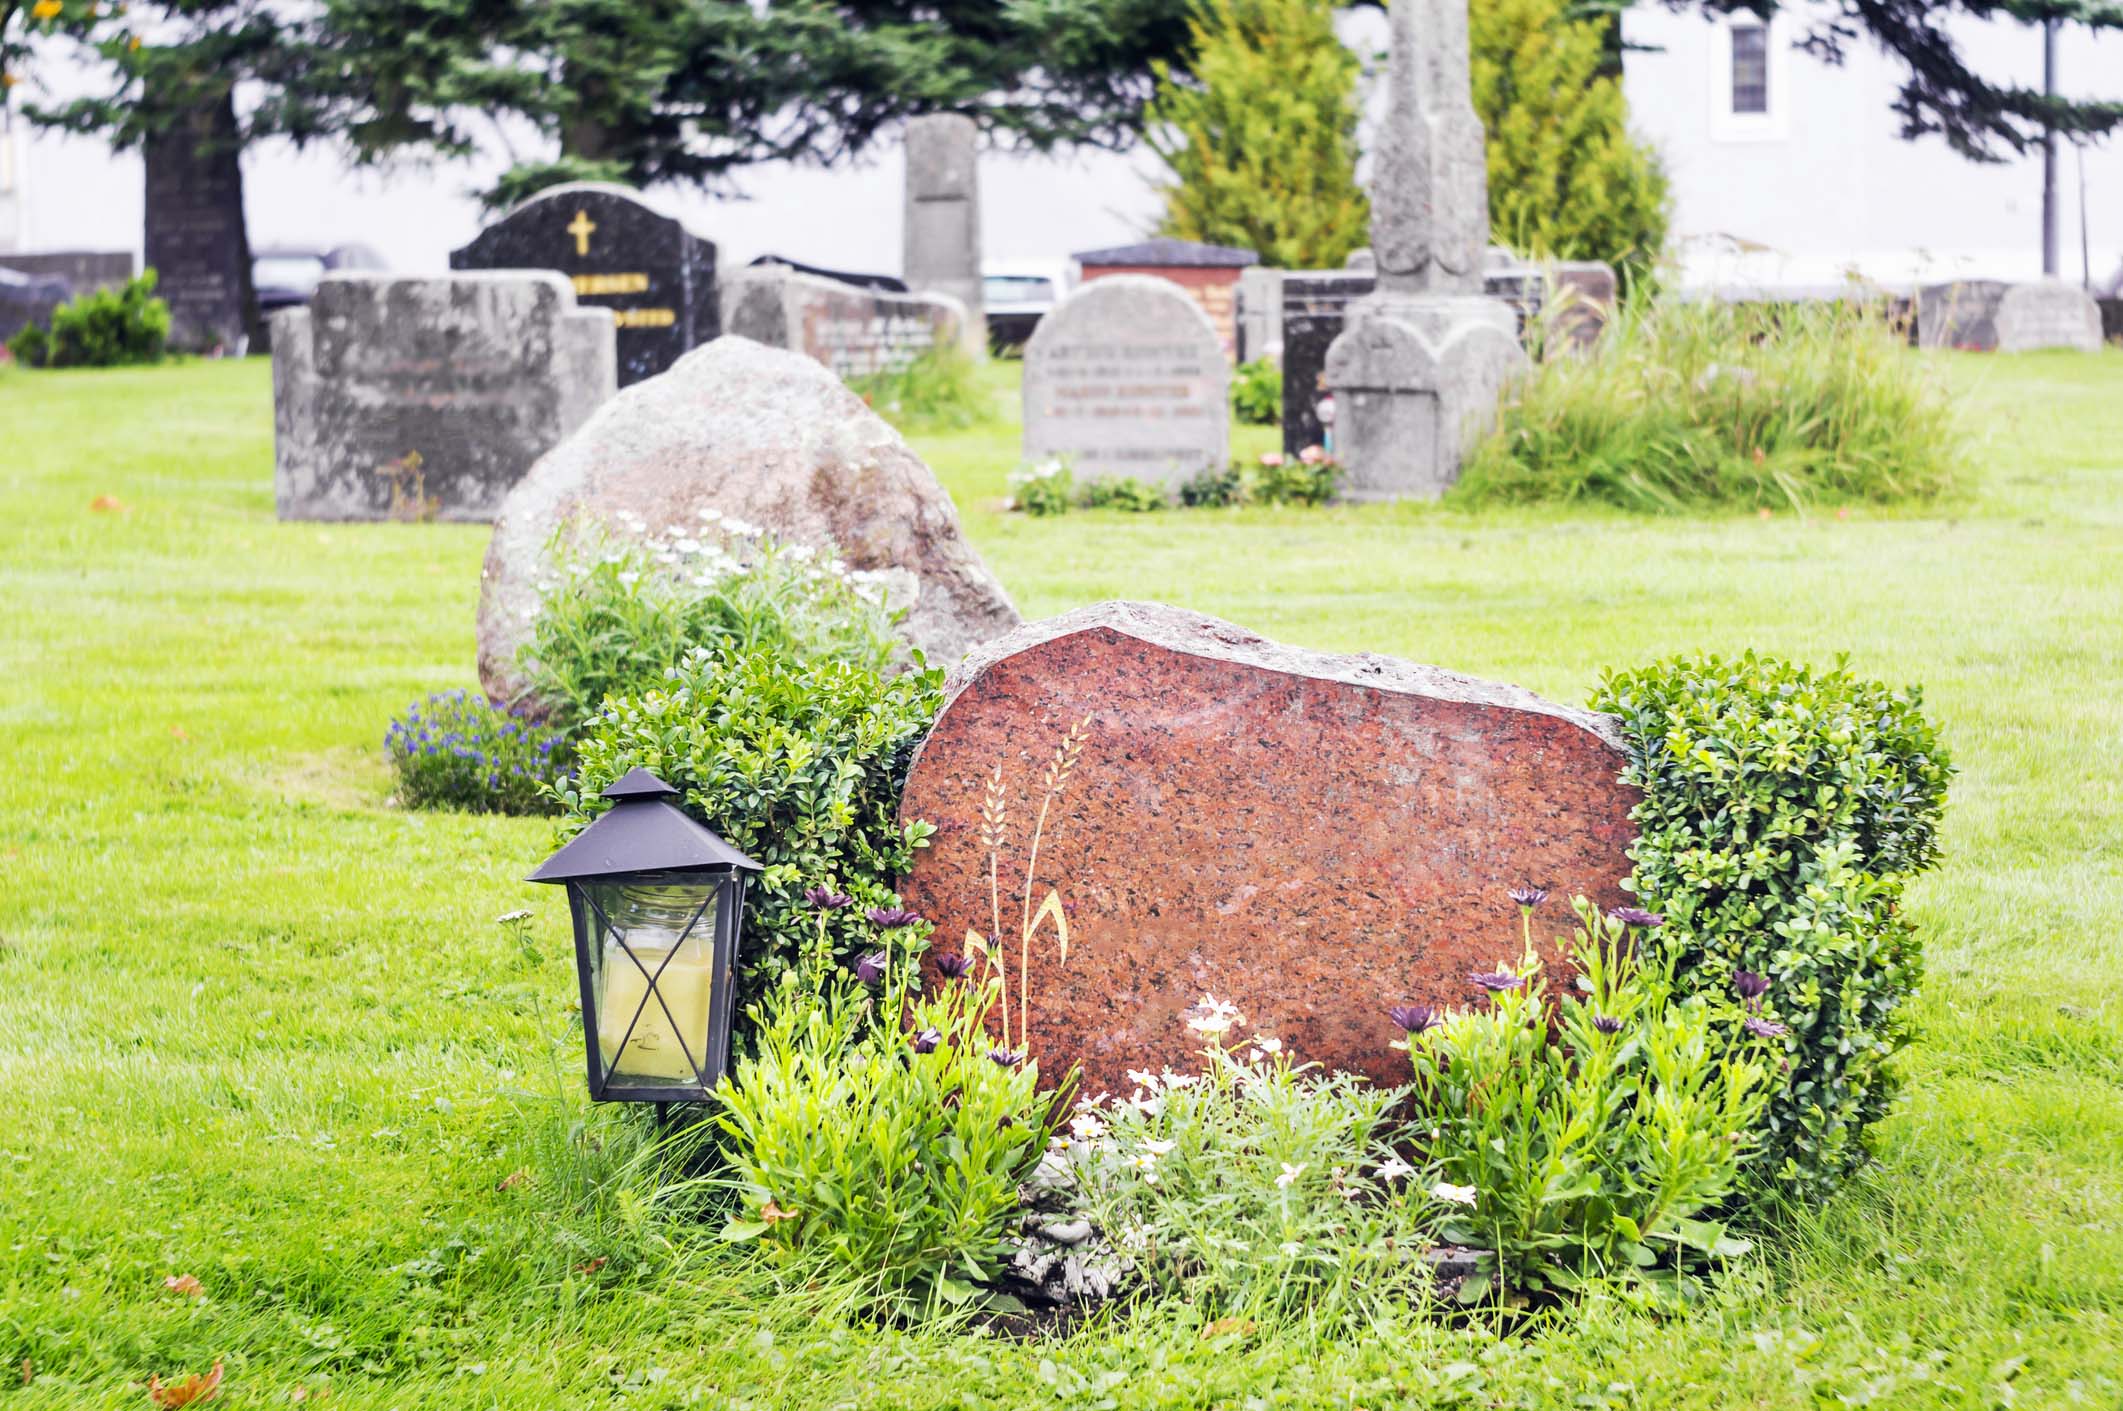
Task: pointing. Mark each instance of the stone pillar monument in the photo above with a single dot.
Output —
(942, 254)
(1417, 370)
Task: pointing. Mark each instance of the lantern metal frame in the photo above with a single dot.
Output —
(644, 839)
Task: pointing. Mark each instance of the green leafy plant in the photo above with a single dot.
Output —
(1258, 128)
(1567, 179)
(619, 611)
(798, 761)
(1212, 488)
(937, 391)
(102, 328)
(453, 750)
(1785, 810)
(1257, 393)
(31, 346)
(1686, 404)
(1123, 492)
(1044, 489)
(883, 1146)
(1308, 478)
(1257, 1187)
(1586, 1137)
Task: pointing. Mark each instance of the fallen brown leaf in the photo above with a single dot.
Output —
(774, 1214)
(594, 1265)
(1224, 1326)
(195, 1390)
(512, 1178)
(29, 1373)
(186, 1285)
(109, 504)
(177, 732)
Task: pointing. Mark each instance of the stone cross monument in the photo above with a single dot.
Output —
(942, 254)
(1417, 371)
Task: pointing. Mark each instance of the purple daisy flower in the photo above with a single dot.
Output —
(1497, 983)
(1751, 986)
(891, 918)
(1764, 1028)
(1606, 1023)
(871, 968)
(953, 966)
(1004, 1058)
(1414, 1018)
(826, 899)
(1529, 897)
(927, 1040)
(1636, 916)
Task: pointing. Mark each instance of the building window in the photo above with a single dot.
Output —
(1750, 69)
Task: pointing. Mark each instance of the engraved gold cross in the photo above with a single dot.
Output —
(580, 228)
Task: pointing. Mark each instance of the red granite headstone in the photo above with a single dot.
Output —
(1310, 837)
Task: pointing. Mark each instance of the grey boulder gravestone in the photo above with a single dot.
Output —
(620, 253)
(764, 435)
(428, 397)
(2049, 314)
(1126, 377)
(942, 230)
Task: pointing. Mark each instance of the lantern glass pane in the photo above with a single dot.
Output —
(655, 982)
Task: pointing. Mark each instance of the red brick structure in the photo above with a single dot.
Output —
(1207, 272)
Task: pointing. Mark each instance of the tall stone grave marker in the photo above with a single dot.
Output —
(657, 277)
(1312, 838)
(193, 230)
(2048, 314)
(429, 397)
(943, 216)
(1126, 377)
(1417, 373)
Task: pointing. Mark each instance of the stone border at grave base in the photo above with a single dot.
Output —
(855, 332)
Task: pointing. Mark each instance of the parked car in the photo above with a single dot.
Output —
(1016, 293)
(287, 276)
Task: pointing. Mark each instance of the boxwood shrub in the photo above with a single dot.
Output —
(798, 762)
(1785, 809)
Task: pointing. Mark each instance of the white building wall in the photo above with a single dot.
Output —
(1823, 184)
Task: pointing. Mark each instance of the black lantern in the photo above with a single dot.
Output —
(656, 900)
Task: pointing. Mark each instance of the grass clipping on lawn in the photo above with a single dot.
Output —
(1701, 404)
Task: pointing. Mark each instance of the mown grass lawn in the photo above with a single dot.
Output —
(258, 1027)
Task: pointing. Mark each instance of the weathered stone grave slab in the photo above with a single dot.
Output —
(1310, 837)
(1126, 377)
(2048, 314)
(620, 253)
(763, 435)
(428, 396)
(1962, 314)
(853, 331)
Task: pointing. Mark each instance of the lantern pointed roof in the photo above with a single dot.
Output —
(643, 831)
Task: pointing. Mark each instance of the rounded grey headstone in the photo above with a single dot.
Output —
(1126, 377)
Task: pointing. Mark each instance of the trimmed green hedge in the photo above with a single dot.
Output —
(1784, 811)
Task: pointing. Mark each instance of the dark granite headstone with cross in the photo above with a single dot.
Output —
(657, 277)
